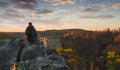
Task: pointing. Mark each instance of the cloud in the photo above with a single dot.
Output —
(60, 2)
(85, 10)
(11, 14)
(30, 8)
(82, 0)
(90, 10)
(116, 6)
(27, 4)
(99, 17)
(44, 11)
(4, 4)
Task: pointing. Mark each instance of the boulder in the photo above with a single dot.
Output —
(42, 63)
(31, 57)
(33, 51)
(4, 43)
(55, 62)
(9, 51)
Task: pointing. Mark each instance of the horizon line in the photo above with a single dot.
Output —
(111, 29)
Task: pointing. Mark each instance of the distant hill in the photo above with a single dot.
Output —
(6, 36)
(56, 33)
(59, 32)
(11, 35)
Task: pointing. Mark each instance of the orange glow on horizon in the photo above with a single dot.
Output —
(87, 28)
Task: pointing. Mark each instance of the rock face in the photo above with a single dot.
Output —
(8, 51)
(31, 57)
(43, 63)
(4, 43)
(52, 43)
(33, 51)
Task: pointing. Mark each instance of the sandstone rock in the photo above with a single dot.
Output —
(57, 63)
(42, 63)
(33, 51)
(32, 57)
(4, 43)
(8, 52)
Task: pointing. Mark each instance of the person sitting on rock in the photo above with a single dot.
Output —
(31, 33)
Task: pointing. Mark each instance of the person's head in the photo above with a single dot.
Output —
(30, 23)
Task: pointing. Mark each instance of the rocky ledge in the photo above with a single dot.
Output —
(20, 56)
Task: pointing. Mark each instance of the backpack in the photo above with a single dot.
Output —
(30, 32)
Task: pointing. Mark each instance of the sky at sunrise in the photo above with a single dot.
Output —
(59, 14)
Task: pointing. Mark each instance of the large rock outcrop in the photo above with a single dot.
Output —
(32, 51)
(8, 51)
(31, 57)
(52, 62)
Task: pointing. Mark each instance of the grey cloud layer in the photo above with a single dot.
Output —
(44, 11)
(4, 4)
(12, 13)
(17, 9)
(99, 16)
(90, 9)
(30, 6)
(31, 2)
(27, 4)
(62, 2)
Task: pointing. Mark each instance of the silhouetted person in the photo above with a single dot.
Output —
(31, 33)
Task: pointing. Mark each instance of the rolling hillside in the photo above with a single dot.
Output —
(14, 35)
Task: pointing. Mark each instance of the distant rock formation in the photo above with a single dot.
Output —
(31, 57)
(52, 43)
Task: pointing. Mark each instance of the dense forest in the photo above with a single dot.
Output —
(11, 35)
(97, 50)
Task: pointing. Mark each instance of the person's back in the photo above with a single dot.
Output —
(31, 33)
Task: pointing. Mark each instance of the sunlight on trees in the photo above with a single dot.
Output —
(73, 59)
(117, 39)
(112, 60)
(110, 54)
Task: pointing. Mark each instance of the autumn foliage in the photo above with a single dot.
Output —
(95, 47)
